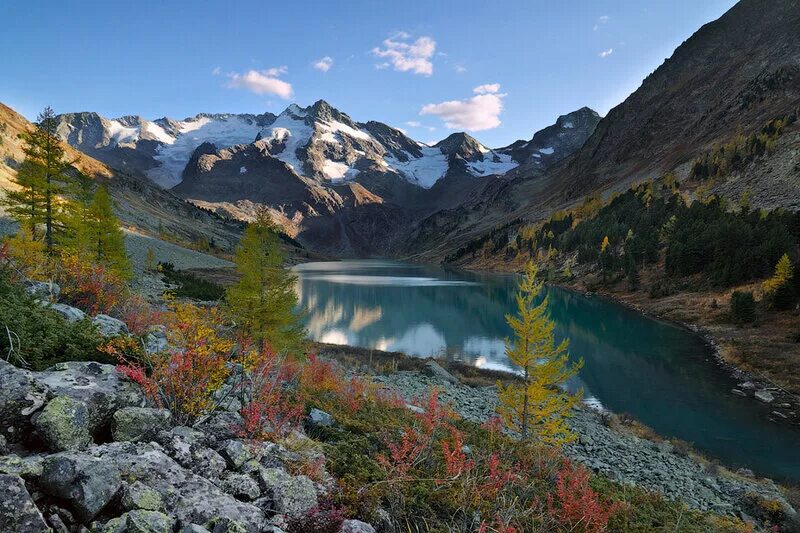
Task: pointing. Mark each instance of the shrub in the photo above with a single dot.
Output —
(91, 287)
(575, 504)
(186, 379)
(743, 307)
(325, 518)
(35, 337)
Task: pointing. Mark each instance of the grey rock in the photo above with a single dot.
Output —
(738, 392)
(18, 512)
(137, 495)
(29, 466)
(226, 525)
(139, 423)
(292, 496)
(87, 482)
(320, 418)
(100, 387)
(20, 396)
(435, 370)
(139, 521)
(109, 326)
(235, 453)
(64, 424)
(764, 396)
(188, 447)
(194, 528)
(155, 340)
(42, 289)
(222, 425)
(189, 498)
(71, 314)
(241, 486)
(356, 526)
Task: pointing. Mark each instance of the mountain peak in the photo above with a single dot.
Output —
(462, 144)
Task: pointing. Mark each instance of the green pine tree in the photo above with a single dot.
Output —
(263, 301)
(34, 201)
(107, 239)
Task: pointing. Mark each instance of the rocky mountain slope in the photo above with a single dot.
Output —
(337, 185)
(140, 204)
(732, 76)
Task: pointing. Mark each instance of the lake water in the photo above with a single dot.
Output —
(663, 375)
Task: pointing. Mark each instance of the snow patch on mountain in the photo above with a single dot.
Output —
(175, 152)
(424, 171)
(494, 163)
(121, 133)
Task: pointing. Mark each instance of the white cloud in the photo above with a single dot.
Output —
(262, 82)
(413, 124)
(489, 88)
(460, 69)
(481, 112)
(601, 21)
(605, 53)
(324, 64)
(405, 55)
(216, 71)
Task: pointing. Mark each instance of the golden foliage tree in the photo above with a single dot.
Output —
(784, 271)
(540, 405)
(263, 301)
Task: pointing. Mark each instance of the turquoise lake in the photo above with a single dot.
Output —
(663, 375)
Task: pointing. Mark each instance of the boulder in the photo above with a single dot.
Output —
(20, 396)
(71, 314)
(319, 418)
(155, 340)
(356, 526)
(293, 496)
(764, 396)
(64, 424)
(435, 370)
(137, 495)
(100, 387)
(139, 423)
(29, 466)
(87, 482)
(18, 513)
(139, 521)
(193, 528)
(226, 525)
(188, 447)
(235, 453)
(43, 290)
(109, 326)
(189, 498)
(240, 486)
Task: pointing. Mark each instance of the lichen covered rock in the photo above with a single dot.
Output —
(64, 424)
(88, 483)
(139, 423)
(293, 496)
(20, 396)
(18, 513)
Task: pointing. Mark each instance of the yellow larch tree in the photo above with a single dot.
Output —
(540, 405)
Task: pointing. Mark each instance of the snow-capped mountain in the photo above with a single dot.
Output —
(337, 185)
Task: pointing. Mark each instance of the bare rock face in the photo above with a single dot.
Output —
(17, 511)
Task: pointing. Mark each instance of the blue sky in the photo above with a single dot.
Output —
(428, 67)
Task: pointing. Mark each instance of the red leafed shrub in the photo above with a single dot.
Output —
(576, 505)
(455, 460)
(496, 526)
(353, 394)
(90, 287)
(268, 411)
(138, 314)
(325, 518)
(319, 378)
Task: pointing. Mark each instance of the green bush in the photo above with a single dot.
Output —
(36, 337)
(189, 285)
(743, 306)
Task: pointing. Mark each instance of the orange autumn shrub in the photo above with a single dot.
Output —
(90, 287)
(186, 379)
(575, 505)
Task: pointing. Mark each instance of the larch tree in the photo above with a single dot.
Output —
(263, 301)
(106, 239)
(39, 181)
(540, 405)
(782, 276)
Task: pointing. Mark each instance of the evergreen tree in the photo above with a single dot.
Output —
(263, 300)
(107, 241)
(78, 219)
(39, 181)
(540, 405)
